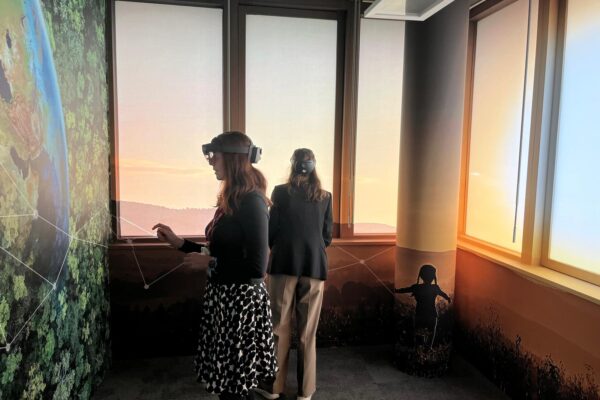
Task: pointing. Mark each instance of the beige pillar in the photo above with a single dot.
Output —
(432, 122)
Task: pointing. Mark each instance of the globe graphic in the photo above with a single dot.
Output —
(34, 178)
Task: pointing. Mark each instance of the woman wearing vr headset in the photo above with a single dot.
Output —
(235, 349)
(300, 228)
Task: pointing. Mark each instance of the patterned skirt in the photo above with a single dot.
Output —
(235, 349)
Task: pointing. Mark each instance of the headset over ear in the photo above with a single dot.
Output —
(254, 153)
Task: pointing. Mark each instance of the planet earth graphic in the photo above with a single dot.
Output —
(34, 173)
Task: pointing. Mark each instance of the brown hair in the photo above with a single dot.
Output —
(240, 176)
(309, 183)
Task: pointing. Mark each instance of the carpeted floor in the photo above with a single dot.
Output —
(349, 373)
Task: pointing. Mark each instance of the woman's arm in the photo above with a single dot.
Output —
(254, 220)
(191, 247)
(328, 223)
(164, 233)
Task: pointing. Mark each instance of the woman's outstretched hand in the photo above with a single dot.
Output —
(164, 233)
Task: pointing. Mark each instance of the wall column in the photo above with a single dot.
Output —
(428, 190)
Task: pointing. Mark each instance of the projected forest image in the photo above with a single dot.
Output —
(54, 220)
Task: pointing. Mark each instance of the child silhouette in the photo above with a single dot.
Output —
(425, 294)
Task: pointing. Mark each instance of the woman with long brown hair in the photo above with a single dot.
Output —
(235, 349)
(300, 227)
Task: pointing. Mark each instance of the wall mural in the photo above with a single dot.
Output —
(54, 220)
(518, 372)
(155, 305)
(424, 322)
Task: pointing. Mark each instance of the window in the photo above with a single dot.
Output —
(291, 81)
(538, 146)
(499, 128)
(378, 126)
(169, 91)
(285, 73)
(574, 225)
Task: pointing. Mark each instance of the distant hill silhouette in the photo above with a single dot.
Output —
(191, 221)
(184, 222)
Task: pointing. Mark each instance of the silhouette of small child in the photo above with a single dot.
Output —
(425, 294)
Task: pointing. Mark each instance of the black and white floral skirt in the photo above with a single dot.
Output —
(235, 349)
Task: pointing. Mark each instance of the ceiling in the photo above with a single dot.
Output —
(407, 10)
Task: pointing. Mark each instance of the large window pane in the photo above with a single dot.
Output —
(575, 218)
(378, 126)
(290, 92)
(495, 137)
(169, 102)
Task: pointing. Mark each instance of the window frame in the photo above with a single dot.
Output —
(549, 42)
(234, 11)
(114, 206)
(560, 60)
(244, 11)
(476, 14)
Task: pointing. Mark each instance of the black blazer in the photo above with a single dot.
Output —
(239, 242)
(299, 231)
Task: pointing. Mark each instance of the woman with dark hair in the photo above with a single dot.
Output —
(300, 227)
(235, 349)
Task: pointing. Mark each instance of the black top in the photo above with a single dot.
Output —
(299, 231)
(239, 242)
(425, 295)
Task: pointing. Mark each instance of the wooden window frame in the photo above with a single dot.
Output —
(476, 14)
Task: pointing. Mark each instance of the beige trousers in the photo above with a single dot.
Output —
(303, 296)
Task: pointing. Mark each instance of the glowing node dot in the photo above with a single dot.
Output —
(35, 214)
(129, 241)
(361, 261)
(7, 347)
(54, 286)
(146, 287)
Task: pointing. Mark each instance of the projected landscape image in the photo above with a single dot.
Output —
(54, 223)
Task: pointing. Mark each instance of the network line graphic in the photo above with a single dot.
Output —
(357, 262)
(147, 284)
(9, 340)
(6, 337)
(363, 263)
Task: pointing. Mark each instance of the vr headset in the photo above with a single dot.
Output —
(254, 153)
(304, 167)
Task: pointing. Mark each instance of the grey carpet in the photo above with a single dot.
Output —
(349, 373)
